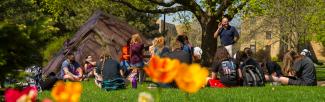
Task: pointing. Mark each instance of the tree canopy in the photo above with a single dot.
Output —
(207, 12)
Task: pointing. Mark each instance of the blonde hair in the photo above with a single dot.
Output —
(136, 38)
(160, 42)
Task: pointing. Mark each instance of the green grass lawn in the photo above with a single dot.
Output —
(268, 93)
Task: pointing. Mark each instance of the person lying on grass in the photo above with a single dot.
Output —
(225, 66)
(107, 69)
(70, 69)
(299, 70)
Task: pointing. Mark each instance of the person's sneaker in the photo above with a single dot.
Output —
(275, 84)
(152, 86)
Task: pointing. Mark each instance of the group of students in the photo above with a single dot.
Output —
(297, 69)
(131, 62)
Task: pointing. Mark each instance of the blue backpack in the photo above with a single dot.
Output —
(229, 69)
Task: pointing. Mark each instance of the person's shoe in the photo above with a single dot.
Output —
(152, 86)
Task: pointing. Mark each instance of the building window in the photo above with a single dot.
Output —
(268, 35)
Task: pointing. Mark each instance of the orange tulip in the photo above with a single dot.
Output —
(191, 78)
(162, 70)
(66, 92)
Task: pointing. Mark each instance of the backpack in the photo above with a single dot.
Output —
(229, 69)
(252, 76)
(114, 84)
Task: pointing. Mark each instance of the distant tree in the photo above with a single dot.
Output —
(299, 20)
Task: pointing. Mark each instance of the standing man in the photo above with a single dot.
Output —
(228, 35)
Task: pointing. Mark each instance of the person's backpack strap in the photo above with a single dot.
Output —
(103, 63)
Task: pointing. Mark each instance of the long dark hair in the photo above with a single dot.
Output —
(289, 59)
(221, 54)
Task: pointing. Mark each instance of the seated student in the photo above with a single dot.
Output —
(270, 67)
(225, 67)
(243, 59)
(70, 69)
(185, 45)
(160, 48)
(178, 53)
(89, 66)
(197, 53)
(107, 69)
(300, 70)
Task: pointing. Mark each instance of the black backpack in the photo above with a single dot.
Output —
(252, 76)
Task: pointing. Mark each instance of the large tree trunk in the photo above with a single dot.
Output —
(209, 43)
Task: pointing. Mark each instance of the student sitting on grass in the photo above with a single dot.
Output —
(107, 69)
(178, 53)
(70, 69)
(300, 70)
(250, 68)
(270, 67)
(89, 66)
(160, 48)
(225, 66)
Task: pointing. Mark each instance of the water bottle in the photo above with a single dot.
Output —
(134, 82)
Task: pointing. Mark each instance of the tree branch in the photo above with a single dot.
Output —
(223, 6)
(194, 8)
(164, 10)
(162, 3)
(235, 10)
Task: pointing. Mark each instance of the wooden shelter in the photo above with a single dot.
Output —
(101, 33)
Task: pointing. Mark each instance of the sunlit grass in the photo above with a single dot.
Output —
(91, 93)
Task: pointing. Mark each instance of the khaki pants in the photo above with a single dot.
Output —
(229, 49)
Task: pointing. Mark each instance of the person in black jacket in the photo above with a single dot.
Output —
(304, 72)
(178, 53)
(270, 67)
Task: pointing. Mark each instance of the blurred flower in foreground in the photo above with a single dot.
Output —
(28, 94)
(66, 92)
(145, 97)
(190, 79)
(162, 70)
